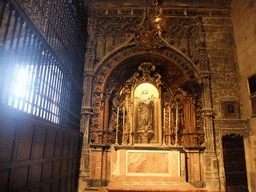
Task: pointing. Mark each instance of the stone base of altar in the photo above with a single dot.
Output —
(144, 163)
(150, 169)
(148, 184)
(153, 169)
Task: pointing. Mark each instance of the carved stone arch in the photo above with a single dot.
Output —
(168, 55)
(176, 70)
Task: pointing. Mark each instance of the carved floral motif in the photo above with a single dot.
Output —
(110, 31)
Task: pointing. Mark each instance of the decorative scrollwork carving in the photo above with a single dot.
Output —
(147, 39)
(227, 127)
(146, 69)
(118, 26)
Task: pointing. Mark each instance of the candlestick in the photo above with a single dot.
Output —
(169, 125)
(117, 116)
(130, 128)
(164, 127)
(123, 124)
(176, 127)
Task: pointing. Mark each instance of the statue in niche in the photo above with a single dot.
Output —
(117, 102)
(145, 117)
(180, 115)
(181, 120)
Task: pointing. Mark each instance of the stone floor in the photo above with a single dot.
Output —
(148, 184)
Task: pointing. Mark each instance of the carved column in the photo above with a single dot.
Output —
(127, 128)
(86, 111)
(106, 113)
(210, 158)
(86, 114)
(101, 118)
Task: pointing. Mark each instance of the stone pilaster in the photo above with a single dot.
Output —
(86, 114)
(86, 109)
(210, 158)
(101, 118)
(106, 112)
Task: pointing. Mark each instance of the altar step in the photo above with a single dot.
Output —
(148, 184)
(103, 189)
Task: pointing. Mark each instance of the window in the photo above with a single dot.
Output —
(252, 89)
(34, 77)
(36, 90)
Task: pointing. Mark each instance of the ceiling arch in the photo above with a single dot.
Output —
(175, 70)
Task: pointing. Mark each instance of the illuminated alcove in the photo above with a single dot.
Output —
(147, 114)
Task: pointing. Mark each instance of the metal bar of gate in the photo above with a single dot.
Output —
(50, 79)
(7, 26)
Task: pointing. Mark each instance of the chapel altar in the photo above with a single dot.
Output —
(160, 96)
(154, 136)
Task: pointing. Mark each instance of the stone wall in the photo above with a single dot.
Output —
(243, 14)
(222, 60)
(113, 31)
(113, 28)
(224, 79)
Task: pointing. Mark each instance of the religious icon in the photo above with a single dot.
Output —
(145, 117)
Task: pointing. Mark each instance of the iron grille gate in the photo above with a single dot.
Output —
(41, 76)
(34, 79)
